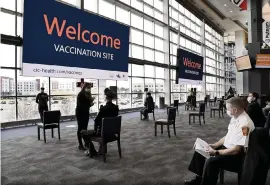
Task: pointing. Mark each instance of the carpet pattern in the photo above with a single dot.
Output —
(147, 160)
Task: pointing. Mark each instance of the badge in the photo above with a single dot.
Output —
(245, 131)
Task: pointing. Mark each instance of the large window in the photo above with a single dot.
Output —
(148, 63)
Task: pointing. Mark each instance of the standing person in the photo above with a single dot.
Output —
(148, 106)
(42, 101)
(254, 110)
(84, 102)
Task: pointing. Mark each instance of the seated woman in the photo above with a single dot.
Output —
(108, 110)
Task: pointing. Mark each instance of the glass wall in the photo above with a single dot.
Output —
(215, 84)
(148, 43)
(191, 40)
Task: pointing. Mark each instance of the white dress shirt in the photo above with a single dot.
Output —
(235, 135)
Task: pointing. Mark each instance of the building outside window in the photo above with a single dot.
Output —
(148, 44)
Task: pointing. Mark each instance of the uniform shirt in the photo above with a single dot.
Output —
(235, 135)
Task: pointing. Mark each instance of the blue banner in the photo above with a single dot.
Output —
(190, 66)
(63, 41)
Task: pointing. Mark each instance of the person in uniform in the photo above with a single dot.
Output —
(228, 152)
(254, 110)
(84, 102)
(42, 101)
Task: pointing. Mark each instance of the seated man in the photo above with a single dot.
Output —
(148, 106)
(109, 110)
(227, 152)
(254, 110)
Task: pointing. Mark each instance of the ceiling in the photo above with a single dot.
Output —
(227, 15)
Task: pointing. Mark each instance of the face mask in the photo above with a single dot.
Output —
(88, 90)
(229, 113)
(250, 99)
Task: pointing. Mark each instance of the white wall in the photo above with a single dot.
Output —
(239, 51)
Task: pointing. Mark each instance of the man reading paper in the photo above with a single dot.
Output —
(228, 152)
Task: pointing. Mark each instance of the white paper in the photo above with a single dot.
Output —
(201, 146)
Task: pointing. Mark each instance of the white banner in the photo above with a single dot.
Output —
(266, 32)
(187, 81)
(70, 72)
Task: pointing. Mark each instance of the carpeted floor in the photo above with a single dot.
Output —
(147, 160)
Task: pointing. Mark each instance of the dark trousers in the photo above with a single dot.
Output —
(82, 125)
(209, 169)
(107, 138)
(144, 111)
(41, 109)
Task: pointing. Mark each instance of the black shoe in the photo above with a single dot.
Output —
(196, 181)
(87, 153)
(81, 147)
(145, 119)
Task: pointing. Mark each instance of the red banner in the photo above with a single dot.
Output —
(240, 3)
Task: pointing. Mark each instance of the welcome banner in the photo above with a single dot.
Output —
(63, 41)
(190, 66)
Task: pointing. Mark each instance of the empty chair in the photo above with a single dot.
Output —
(199, 114)
(51, 120)
(175, 105)
(219, 108)
(169, 121)
(110, 132)
(213, 101)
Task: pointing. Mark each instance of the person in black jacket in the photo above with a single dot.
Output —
(148, 106)
(84, 102)
(109, 110)
(255, 111)
(231, 95)
(42, 101)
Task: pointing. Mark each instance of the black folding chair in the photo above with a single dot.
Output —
(169, 121)
(213, 101)
(175, 105)
(219, 108)
(51, 120)
(110, 132)
(199, 114)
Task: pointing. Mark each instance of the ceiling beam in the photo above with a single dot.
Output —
(188, 4)
(213, 9)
